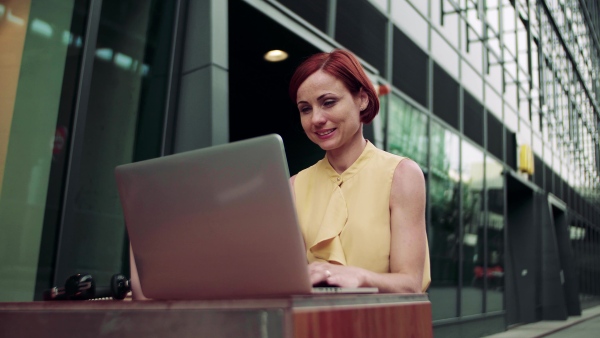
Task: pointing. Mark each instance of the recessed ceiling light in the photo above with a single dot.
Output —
(276, 55)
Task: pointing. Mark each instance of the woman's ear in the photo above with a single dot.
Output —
(363, 99)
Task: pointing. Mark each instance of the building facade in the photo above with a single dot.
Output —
(496, 100)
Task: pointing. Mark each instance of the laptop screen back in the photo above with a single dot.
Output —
(215, 223)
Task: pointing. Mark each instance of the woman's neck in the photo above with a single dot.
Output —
(342, 158)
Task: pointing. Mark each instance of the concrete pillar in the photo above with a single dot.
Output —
(202, 118)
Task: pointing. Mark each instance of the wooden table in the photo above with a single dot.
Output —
(331, 316)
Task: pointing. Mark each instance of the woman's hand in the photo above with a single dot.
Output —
(339, 275)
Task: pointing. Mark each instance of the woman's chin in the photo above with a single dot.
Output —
(327, 145)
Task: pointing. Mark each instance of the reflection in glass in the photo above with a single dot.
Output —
(123, 125)
(494, 183)
(37, 72)
(473, 231)
(407, 131)
(444, 177)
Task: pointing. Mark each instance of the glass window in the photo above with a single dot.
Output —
(411, 22)
(472, 36)
(535, 119)
(410, 68)
(362, 28)
(444, 54)
(492, 16)
(509, 29)
(445, 19)
(510, 97)
(472, 178)
(524, 134)
(494, 180)
(493, 102)
(444, 177)
(39, 68)
(407, 131)
(379, 123)
(421, 5)
(511, 119)
(472, 81)
(537, 146)
(123, 124)
(494, 73)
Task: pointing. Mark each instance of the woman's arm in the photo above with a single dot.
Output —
(136, 289)
(408, 243)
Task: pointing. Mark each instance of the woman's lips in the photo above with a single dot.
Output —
(325, 134)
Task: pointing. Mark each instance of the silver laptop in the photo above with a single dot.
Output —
(216, 223)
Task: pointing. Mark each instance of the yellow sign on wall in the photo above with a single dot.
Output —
(526, 164)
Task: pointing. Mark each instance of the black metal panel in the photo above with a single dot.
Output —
(494, 136)
(409, 67)
(552, 298)
(567, 259)
(511, 149)
(561, 188)
(522, 257)
(538, 174)
(473, 118)
(445, 96)
(362, 28)
(313, 11)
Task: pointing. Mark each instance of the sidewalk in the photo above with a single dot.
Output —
(586, 325)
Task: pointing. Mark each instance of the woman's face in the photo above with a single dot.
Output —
(329, 113)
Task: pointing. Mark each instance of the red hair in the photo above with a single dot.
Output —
(344, 66)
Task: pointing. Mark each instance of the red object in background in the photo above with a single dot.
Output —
(383, 89)
(60, 139)
(492, 271)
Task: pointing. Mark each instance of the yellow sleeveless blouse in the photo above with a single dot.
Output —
(345, 218)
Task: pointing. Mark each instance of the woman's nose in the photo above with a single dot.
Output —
(318, 117)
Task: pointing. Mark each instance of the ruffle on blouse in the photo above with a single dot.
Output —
(327, 244)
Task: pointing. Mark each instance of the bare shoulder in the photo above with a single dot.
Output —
(408, 183)
(292, 179)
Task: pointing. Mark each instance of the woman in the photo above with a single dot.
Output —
(361, 209)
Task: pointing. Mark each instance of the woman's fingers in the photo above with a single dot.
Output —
(319, 272)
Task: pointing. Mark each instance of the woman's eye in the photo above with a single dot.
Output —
(304, 110)
(329, 103)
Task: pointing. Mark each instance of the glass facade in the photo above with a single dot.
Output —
(66, 127)
(407, 131)
(472, 82)
(444, 231)
(472, 180)
(123, 123)
(40, 41)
